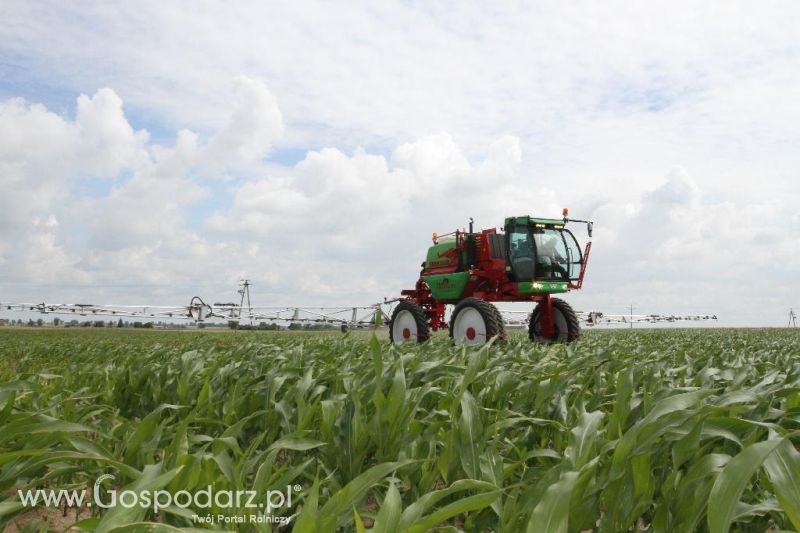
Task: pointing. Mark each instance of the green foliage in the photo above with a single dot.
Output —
(669, 430)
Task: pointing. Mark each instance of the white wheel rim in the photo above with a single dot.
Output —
(469, 327)
(560, 322)
(404, 327)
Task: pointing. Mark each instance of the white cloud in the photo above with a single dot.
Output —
(254, 125)
(361, 199)
(39, 256)
(677, 252)
(41, 156)
(108, 143)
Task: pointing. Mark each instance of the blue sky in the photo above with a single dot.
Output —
(314, 147)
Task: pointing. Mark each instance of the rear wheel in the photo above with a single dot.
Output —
(567, 327)
(475, 322)
(408, 324)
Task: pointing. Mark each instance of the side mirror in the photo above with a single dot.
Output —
(589, 226)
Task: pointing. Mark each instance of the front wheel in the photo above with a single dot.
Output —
(408, 324)
(475, 322)
(567, 327)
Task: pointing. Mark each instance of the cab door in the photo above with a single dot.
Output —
(521, 251)
(574, 255)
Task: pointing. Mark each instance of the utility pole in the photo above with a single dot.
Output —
(245, 292)
(792, 318)
(631, 316)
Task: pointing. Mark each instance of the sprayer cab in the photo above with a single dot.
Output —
(541, 249)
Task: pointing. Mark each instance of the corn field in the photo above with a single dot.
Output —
(651, 430)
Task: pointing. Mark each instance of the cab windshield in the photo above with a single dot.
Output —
(544, 254)
(552, 257)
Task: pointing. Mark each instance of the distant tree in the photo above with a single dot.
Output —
(120, 324)
(40, 322)
(233, 324)
(99, 324)
(148, 325)
(31, 323)
(56, 321)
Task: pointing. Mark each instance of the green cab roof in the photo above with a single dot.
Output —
(534, 220)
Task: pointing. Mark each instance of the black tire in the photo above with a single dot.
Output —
(493, 321)
(418, 315)
(567, 319)
(501, 336)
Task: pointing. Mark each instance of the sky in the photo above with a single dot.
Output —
(157, 150)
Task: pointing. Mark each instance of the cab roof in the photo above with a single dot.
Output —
(526, 220)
